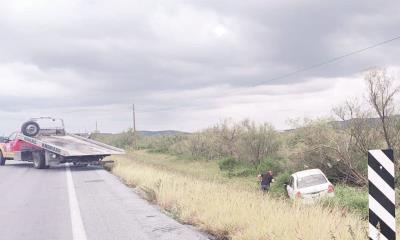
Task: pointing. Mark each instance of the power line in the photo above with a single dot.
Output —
(335, 59)
(304, 69)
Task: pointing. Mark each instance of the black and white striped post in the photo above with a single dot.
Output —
(382, 221)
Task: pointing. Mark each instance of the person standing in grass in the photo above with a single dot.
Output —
(266, 180)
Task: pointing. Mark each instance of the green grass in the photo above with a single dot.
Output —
(351, 198)
(199, 169)
(278, 188)
(198, 193)
(346, 197)
(244, 177)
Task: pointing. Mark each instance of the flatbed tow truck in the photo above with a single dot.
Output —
(52, 145)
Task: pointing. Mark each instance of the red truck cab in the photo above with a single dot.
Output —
(12, 148)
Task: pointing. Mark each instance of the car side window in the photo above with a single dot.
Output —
(13, 136)
(291, 182)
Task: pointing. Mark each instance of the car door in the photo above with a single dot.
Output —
(9, 146)
(290, 188)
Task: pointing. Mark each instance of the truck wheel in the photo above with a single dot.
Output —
(39, 160)
(2, 159)
(30, 128)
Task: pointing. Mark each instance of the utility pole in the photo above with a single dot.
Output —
(134, 118)
(97, 130)
(134, 126)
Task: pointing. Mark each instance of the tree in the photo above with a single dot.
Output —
(381, 93)
(363, 132)
(228, 134)
(257, 142)
(322, 144)
(357, 124)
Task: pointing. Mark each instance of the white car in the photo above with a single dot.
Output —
(309, 186)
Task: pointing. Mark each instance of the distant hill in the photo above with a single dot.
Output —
(161, 133)
(142, 133)
(371, 122)
(341, 125)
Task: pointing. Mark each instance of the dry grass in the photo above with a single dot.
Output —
(223, 208)
(204, 170)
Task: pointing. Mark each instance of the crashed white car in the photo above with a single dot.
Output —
(309, 186)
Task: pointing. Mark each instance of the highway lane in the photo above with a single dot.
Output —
(80, 203)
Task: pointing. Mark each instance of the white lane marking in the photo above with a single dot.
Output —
(78, 230)
(383, 160)
(375, 234)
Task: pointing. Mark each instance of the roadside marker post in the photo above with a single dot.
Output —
(381, 188)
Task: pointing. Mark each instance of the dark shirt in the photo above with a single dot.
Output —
(266, 179)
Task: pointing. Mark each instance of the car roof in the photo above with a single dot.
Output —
(308, 172)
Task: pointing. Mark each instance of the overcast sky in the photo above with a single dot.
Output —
(186, 64)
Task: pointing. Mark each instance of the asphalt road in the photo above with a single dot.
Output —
(79, 204)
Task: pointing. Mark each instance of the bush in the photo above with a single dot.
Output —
(275, 165)
(227, 164)
(278, 188)
(235, 168)
(243, 172)
(124, 140)
(256, 142)
(351, 198)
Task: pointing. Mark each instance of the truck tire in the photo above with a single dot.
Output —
(2, 159)
(30, 128)
(39, 160)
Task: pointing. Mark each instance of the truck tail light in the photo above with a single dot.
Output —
(330, 189)
(298, 194)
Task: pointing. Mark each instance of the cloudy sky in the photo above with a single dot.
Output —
(185, 64)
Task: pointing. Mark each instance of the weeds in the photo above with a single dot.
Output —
(235, 211)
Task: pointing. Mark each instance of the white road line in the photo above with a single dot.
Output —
(78, 230)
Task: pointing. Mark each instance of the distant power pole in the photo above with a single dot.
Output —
(134, 118)
(97, 130)
(134, 126)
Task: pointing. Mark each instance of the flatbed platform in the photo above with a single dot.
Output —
(71, 145)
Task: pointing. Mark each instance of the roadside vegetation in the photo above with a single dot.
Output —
(207, 178)
(230, 208)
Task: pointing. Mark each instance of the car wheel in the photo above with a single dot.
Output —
(39, 160)
(30, 128)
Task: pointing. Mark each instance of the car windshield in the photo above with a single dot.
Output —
(49, 123)
(13, 136)
(311, 180)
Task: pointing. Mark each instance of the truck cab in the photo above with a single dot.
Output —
(13, 148)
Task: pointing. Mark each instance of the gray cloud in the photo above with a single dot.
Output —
(99, 54)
